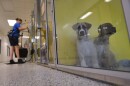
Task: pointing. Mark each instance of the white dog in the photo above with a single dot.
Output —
(85, 47)
(106, 58)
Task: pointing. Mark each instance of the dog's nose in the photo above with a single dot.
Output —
(114, 29)
(111, 31)
(81, 33)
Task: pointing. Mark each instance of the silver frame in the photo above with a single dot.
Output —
(126, 8)
(54, 34)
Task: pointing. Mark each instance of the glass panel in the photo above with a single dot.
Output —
(37, 37)
(32, 44)
(92, 33)
(50, 34)
(43, 35)
(43, 40)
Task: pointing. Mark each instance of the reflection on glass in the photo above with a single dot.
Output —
(93, 34)
(38, 45)
(44, 46)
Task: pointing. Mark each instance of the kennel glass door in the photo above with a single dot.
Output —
(108, 33)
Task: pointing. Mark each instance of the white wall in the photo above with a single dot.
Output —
(4, 44)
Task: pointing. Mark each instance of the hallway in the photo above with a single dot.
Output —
(30, 74)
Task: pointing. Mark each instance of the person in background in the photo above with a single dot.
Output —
(14, 47)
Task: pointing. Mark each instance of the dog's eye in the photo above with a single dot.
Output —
(83, 27)
(105, 27)
(79, 28)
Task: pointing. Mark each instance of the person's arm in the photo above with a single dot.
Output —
(23, 28)
(20, 28)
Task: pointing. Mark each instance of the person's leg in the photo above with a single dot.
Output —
(17, 51)
(11, 52)
(13, 43)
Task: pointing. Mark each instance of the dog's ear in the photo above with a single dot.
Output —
(87, 25)
(75, 26)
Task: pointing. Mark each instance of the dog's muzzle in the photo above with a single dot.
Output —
(82, 33)
(112, 30)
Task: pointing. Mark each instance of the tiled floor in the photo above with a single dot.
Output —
(29, 74)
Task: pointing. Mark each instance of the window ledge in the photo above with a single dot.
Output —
(115, 77)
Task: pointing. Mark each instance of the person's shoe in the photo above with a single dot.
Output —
(20, 61)
(12, 62)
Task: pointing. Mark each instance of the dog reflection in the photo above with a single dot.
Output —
(106, 58)
(85, 47)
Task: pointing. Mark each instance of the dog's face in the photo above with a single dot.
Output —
(106, 29)
(81, 28)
